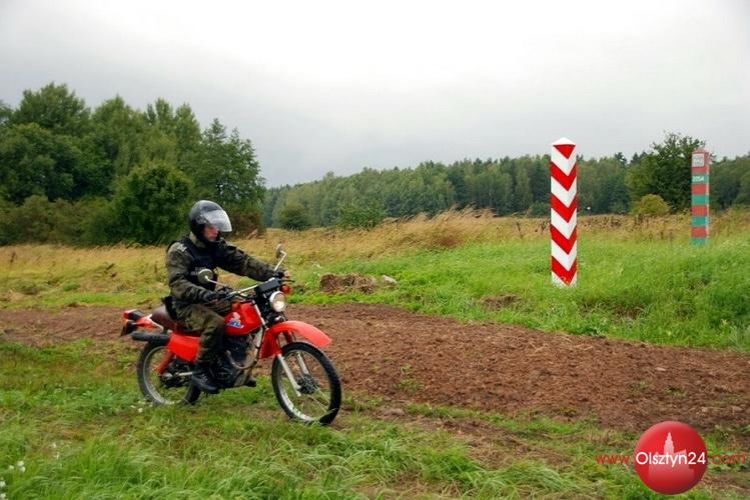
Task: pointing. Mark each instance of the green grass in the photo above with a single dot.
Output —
(662, 292)
(666, 292)
(639, 286)
(73, 415)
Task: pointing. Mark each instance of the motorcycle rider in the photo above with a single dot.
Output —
(199, 306)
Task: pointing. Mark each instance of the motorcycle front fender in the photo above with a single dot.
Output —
(270, 346)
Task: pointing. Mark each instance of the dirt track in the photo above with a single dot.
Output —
(402, 356)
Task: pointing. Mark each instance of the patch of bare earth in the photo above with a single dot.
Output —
(402, 356)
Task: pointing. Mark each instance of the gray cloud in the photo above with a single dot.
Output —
(338, 86)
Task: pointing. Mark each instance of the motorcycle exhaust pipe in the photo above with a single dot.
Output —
(154, 338)
(128, 327)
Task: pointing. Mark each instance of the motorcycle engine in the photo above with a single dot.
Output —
(224, 373)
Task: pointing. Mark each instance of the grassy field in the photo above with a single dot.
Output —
(638, 279)
(74, 424)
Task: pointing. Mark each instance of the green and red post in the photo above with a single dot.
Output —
(701, 160)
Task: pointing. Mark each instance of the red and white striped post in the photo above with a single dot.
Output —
(563, 213)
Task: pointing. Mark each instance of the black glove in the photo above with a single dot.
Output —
(208, 296)
(213, 296)
(279, 274)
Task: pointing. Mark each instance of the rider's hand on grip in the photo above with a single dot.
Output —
(215, 295)
(281, 274)
(210, 296)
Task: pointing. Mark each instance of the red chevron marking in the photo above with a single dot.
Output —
(566, 244)
(565, 180)
(562, 273)
(564, 211)
(565, 149)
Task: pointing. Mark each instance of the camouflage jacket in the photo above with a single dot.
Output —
(187, 255)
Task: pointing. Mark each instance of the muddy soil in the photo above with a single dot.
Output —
(402, 356)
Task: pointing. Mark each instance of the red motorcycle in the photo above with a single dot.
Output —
(304, 380)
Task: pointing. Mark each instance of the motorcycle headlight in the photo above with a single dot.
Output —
(278, 301)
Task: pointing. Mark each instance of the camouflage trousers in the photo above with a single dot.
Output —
(207, 319)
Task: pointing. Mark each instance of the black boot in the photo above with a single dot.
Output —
(250, 381)
(202, 380)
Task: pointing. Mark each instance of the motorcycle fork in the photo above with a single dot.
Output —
(289, 374)
(288, 371)
(164, 363)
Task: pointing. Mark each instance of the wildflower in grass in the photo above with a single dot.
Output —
(10, 467)
(2, 483)
(140, 410)
(2, 496)
(20, 463)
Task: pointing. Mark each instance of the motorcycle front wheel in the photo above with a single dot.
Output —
(170, 387)
(313, 394)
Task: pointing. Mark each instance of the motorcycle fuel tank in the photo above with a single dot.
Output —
(242, 319)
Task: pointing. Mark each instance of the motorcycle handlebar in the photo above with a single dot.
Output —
(234, 293)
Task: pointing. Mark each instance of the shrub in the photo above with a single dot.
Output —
(294, 216)
(150, 205)
(37, 219)
(538, 209)
(651, 205)
(363, 216)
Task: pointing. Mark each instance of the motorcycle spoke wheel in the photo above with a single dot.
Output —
(317, 397)
(167, 388)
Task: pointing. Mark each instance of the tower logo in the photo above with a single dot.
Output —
(670, 457)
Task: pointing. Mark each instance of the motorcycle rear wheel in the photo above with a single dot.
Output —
(319, 397)
(170, 387)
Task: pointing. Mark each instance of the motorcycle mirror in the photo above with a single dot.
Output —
(205, 275)
(281, 255)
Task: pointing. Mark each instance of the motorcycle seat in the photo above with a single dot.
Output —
(161, 316)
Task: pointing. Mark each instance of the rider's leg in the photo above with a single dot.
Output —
(211, 325)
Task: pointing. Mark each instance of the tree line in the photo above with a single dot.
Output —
(82, 176)
(507, 186)
(75, 175)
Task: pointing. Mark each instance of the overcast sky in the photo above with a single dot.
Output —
(324, 86)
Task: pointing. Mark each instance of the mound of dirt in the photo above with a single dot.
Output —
(401, 356)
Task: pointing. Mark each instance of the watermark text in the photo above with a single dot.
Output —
(691, 458)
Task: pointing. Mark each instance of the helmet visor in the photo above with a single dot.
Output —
(219, 219)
